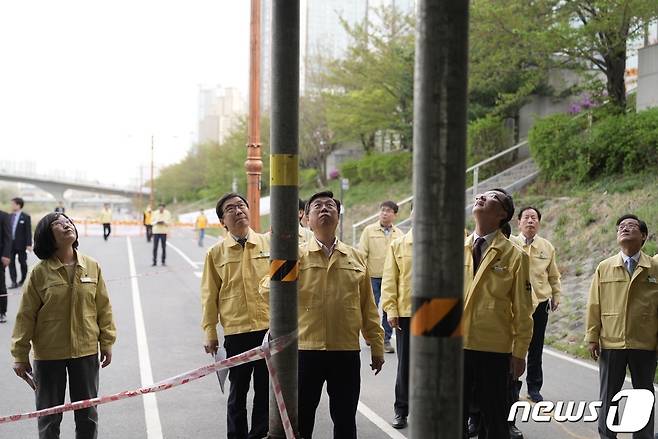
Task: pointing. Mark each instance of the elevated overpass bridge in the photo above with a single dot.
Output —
(57, 186)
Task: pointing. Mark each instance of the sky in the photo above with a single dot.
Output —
(84, 84)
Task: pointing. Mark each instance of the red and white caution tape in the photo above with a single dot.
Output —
(265, 351)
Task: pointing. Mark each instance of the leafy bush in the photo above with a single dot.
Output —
(486, 137)
(565, 149)
(386, 167)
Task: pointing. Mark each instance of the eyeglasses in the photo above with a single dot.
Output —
(329, 204)
(232, 208)
(489, 196)
(628, 226)
(63, 223)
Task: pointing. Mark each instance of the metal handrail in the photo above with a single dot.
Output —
(475, 169)
(494, 157)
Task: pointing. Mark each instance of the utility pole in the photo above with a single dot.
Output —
(152, 194)
(254, 164)
(436, 370)
(284, 192)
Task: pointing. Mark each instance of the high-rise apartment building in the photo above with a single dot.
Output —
(321, 34)
(220, 110)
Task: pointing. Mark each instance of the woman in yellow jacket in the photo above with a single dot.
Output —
(65, 314)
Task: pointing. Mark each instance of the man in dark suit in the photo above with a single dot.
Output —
(21, 234)
(5, 251)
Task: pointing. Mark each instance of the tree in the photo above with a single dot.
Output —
(598, 33)
(509, 55)
(316, 140)
(371, 89)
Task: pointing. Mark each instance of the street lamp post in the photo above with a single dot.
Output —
(254, 164)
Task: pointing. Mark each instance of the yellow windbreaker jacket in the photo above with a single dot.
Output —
(374, 243)
(335, 301)
(163, 217)
(498, 300)
(622, 311)
(61, 319)
(229, 286)
(544, 275)
(396, 282)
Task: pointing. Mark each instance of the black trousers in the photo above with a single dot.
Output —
(240, 376)
(22, 260)
(342, 372)
(3, 290)
(535, 375)
(401, 405)
(612, 372)
(149, 232)
(107, 229)
(161, 237)
(486, 379)
(50, 377)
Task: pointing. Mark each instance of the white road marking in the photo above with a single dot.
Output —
(580, 363)
(151, 413)
(183, 255)
(379, 422)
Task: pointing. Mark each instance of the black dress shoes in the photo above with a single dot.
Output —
(399, 422)
(515, 433)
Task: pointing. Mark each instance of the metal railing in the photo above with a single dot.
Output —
(475, 169)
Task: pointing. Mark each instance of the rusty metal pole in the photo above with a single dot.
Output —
(436, 371)
(254, 164)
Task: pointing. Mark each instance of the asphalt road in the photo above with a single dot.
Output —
(169, 298)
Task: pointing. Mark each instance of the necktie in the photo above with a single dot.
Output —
(477, 253)
(14, 224)
(630, 265)
(242, 241)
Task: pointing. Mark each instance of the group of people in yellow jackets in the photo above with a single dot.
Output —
(511, 283)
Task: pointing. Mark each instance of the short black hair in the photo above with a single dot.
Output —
(391, 205)
(643, 226)
(302, 204)
(44, 240)
(19, 201)
(524, 208)
(219, 209)
(323, 194)
(508, 205)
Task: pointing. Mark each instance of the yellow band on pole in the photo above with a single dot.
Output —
(284, 170)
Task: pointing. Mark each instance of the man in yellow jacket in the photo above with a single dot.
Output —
(374, 243)
(148, 222)
(546, 288)
(230, 296)
(161, 221)
(305, 233)
(335, 304)
(622, 319)
(106, 220)
(396, 303)
(497, 322)
(200, 225)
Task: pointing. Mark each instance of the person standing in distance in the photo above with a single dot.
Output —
(622, 319)
(200, 226)
(65, 318)
(106, 220)
(161, 220)
(5, 252)
(497, 319)
(396, 303)
(230, 296)
(374, 243)
(21, 235)
(148, 222)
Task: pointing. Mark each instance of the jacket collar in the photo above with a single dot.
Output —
(313, 246)
(54, 263)
(231, 242)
